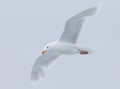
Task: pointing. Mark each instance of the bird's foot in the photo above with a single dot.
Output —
(83, 52)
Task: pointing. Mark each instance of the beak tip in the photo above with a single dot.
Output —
(43, 52)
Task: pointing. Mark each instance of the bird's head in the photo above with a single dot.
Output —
(47, 48)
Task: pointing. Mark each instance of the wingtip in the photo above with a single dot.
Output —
(37, 75)
(95, 10)
(91, 11)
(98, 8)
(35, 78)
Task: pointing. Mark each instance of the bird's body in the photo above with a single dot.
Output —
(66, 45)
(65, 48)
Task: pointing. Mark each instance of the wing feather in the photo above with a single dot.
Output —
(42, 62)
(75, 24)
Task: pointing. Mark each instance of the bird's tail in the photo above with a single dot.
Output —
(37, 73)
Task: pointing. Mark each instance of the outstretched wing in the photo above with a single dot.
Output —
(75, 24)
(42, 62)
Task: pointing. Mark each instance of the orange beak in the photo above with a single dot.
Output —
(43, 52)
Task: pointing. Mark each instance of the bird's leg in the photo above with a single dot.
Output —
(85, 51)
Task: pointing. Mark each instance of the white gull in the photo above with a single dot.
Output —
(66, 45)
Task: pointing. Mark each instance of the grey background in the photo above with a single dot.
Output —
(27, 25)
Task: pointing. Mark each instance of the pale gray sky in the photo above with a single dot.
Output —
(27, 25)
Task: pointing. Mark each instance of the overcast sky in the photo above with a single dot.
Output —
(27, 25)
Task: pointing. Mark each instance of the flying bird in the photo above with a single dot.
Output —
(66, 45)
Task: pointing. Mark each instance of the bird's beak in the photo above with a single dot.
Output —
(43, 52)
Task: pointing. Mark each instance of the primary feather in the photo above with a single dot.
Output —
(75, 24)
(41, 63)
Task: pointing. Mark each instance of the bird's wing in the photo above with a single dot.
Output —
(75, 24)
(42, 62)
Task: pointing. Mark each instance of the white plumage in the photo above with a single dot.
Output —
(66, 45)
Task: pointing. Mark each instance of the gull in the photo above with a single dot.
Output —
(66, 45)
